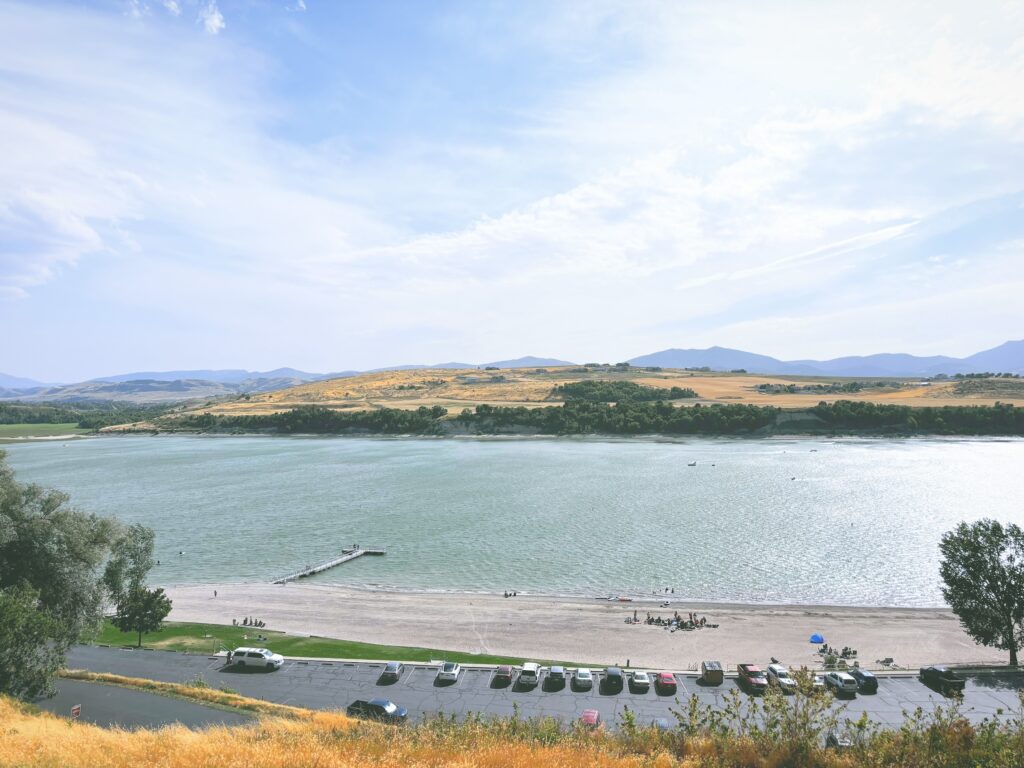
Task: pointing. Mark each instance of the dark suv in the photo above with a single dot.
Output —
(866, 682)
(942, 678)
(613, 679)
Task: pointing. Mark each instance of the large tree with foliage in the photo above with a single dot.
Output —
(55, 550)
(30, 656)
(983, 574)
(142, 610)
(52, 583)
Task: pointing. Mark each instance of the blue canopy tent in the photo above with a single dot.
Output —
(817, 639)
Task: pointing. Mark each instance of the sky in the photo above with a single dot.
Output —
(351, 185)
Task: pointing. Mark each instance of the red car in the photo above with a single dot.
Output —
(665, 682)
(752, 676)
(502, 675)
(590, 718)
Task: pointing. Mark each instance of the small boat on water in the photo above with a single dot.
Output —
(692, 464)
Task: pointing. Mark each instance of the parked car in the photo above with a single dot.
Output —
(612, 679)
(665, 683)
(841, 683)
(583, 679)
(502, 675)
(838, 740)
(590, 718)
(556, 675)
(378, 709)
(640, 682)
(256, 657)
(866, 681)
(448, 672)
(752, 677)
(392, 671)
(779, 676)
(530, 674)
(942, 678)
(818, 683)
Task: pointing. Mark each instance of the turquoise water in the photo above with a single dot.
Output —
(859, 524)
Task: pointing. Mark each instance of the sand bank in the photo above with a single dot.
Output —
(590, 631)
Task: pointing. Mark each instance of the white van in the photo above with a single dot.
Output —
(530, 674)
(256, 657)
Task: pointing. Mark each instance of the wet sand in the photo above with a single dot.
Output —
(587, 631)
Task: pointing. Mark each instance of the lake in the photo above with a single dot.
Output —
(846, 522)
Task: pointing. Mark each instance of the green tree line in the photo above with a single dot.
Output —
(315, 419)
(94, 415)
(627, 418)
(618, 392)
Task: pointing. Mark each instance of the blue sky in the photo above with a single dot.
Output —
(327, 185)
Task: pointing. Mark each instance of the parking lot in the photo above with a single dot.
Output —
(336, 684)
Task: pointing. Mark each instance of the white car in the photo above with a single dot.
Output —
(841, 683)
(448, 672)
(530, 674)
(779, 676)
(583, 679)
(256, 657)
(640, 681)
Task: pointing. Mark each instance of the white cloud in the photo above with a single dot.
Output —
(173, 7)
(730, 164)
(212, 18)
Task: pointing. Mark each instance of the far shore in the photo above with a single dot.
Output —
(589, 631)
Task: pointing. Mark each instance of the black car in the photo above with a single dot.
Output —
(942, 678)
(866, 681)
(378, 709)
(613, 679)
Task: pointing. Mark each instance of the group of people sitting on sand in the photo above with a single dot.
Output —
(511, 594)
(846, 653)
(249, 621)
(692, 621)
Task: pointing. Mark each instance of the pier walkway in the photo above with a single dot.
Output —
(346, 555)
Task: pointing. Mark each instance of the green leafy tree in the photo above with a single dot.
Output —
(28, 637)
(55, 550)
(131, 559)
(983, 572)
(142, 610)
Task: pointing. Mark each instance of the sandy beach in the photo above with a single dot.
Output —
(587, 631)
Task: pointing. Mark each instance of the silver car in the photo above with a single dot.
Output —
(583, 679)
(778, 675)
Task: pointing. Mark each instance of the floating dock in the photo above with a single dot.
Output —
(346, 555)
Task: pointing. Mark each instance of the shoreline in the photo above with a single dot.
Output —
(538, 627)
(582, 437)
(623, 599)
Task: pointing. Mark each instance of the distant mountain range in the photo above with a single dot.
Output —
(1006, 358)
(164, 386)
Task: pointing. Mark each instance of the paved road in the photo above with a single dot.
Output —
(110, 705)
(334, 685)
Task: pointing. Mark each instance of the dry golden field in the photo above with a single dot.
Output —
(458, 389)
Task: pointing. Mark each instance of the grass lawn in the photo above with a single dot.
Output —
(40, 430)
(208, 638)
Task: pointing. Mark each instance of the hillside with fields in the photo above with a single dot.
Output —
(536, 387)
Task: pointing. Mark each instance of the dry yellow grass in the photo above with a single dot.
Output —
(458, 389)
(322, 739)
